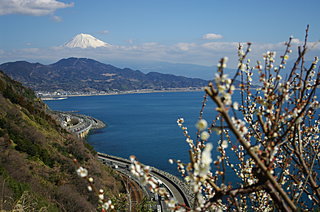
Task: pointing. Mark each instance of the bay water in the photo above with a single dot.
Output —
(143, 125)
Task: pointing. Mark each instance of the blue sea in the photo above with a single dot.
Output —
(143, 125)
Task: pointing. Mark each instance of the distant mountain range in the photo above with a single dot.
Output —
(87, 75)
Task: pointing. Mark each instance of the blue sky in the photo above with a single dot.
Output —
(177, 31)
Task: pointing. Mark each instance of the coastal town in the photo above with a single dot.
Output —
(60, 95)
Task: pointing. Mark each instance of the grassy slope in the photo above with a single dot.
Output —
(36, 166)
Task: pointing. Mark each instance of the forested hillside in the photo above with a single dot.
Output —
(87, 75)
(37, 172)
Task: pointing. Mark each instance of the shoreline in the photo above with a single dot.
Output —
(54, 97)
(143, 91)
(94, 124)
(98, 124)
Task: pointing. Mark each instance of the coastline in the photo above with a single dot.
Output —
(98, 124)
(49, 97)
(88, 123)
(54, 97)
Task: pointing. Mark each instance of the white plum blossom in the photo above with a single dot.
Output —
(206, 155)
(204, 136)
(202, 124)
(235, 105)
(101, 196)
(240, 126)
(189, 141)
(224, 144)
(171, 203)
(82, 172)
(202, 167)
(180, 121)
(107, 205)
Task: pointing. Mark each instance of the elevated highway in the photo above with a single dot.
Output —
(77, 124)
(175, 186)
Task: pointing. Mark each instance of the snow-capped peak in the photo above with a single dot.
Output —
(85, 41)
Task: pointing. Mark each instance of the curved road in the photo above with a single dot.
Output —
(173, 187)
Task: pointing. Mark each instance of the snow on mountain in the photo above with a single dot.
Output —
(85, 41)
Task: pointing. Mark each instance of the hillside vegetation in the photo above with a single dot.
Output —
(37, 172)
(87, 75)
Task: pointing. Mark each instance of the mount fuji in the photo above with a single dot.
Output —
(85, 41)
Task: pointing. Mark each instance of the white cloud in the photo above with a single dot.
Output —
(208, 53)
(314, 45)
(56, 18)
(104, 32)
(211, 36)
(30, 50)
(185, 46)
(220, 46)
(295, 41)
(31, 7)
(130, 41)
